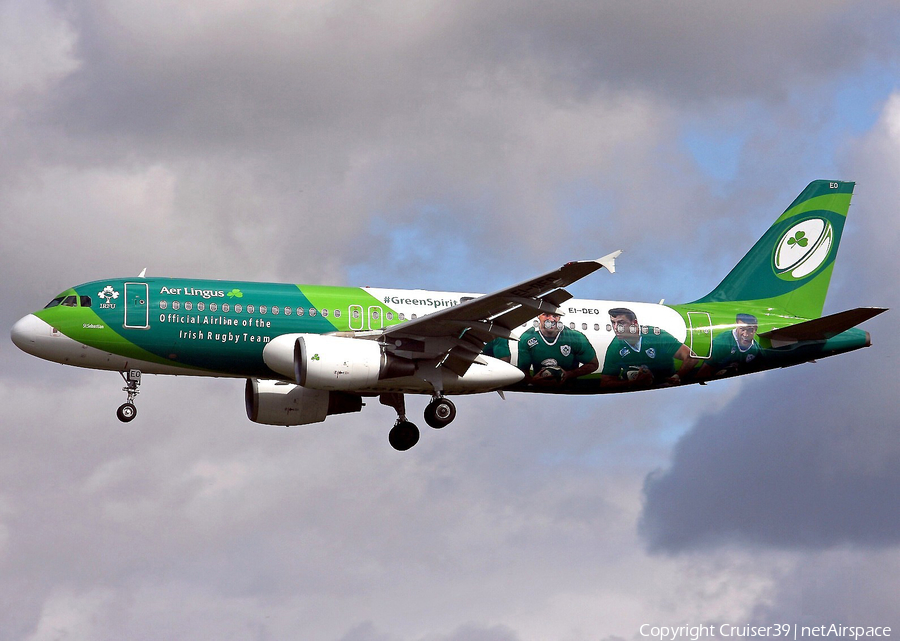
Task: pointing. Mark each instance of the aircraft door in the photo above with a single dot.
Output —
(700, 334)
(137, 309)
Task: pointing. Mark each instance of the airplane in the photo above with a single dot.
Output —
(308, 351)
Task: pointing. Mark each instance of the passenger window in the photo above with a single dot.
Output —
(54, 302)
(85, 301)
(70, 301)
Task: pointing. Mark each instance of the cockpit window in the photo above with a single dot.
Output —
(85, 301)
(70, 301)
(53, 303)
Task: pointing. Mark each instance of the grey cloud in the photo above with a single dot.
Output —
(243, 75)
(798, 469)
(271, 119)
(218, 140)
(200, 506)
(805, 463)
(842, 586)
(474, 632)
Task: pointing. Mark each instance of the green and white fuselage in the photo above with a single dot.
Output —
(222, 328)
(308, 351)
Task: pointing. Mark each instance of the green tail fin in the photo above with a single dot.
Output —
(790, 267)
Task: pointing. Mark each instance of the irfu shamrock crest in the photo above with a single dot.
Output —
(108, 293)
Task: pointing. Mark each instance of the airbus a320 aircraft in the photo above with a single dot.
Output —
(308, 352)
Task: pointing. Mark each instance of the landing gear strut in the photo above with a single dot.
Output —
(404, 434)
(127, 411)
(440, 412)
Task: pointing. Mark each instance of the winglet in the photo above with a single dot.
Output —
(609, 261)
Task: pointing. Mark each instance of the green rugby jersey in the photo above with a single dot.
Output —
(655, 350)
(725, 351)
(570, 349)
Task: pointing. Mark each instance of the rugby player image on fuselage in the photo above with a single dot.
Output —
(641, 356)
(735, 351)
(552, 354)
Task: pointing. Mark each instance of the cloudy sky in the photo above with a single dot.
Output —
(447, 145)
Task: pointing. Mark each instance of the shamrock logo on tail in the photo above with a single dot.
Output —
(799, 239)
(235, 293)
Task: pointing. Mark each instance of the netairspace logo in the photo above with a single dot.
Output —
(786, 631)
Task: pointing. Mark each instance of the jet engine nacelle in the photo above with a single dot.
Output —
(280, 403)
(333, 363)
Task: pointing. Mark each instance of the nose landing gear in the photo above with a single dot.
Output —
(127, 411)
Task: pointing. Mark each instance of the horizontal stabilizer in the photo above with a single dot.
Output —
(822, 328)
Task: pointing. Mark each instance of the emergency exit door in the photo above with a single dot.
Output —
(700, 334)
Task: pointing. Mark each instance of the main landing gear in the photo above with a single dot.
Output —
(127, 411)
(440, 412)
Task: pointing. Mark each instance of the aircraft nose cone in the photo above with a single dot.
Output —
(26, 332)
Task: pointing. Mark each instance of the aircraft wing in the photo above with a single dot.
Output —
(457, 335)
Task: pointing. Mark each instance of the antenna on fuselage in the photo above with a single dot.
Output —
(143, 271)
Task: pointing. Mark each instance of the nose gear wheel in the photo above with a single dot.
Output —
(127, 411)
